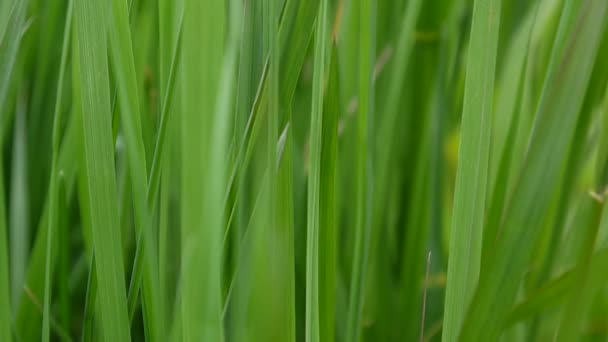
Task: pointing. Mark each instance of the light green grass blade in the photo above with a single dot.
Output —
(314, 178)
(121, 52)
(367, 27)
(200, 194)
(53, 221)
(471, 178)
(99, 169)
(558, 111)
(19, 209)
(328, 238)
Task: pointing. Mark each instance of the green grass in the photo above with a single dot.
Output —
(290, 170)
(466, 234)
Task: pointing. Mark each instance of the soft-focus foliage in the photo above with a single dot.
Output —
(303, 170)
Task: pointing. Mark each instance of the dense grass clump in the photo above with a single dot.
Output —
(303, 170)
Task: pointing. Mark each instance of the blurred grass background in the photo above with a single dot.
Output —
(303, 170)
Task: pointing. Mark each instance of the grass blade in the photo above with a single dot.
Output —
(99, 169)
(328, 243)
(10, 41)
(471, 177)
(200, 193)
(553, 131)
(5, 298)
(54, 198)
(363, 185)
(314, 178)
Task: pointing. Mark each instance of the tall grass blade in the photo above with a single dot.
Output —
(201, 218)
(562, 97)
(99, 169)
(5, 298)
(367, 32)
(314, 178)
(53, 221)
(471, 178)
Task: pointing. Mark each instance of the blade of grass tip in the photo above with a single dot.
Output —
(99, 169)
(201, 218)
(314, 178)
(53, 220)
(327, 203)
(559, 108)
(5, 298)
(471, 176)
(121, 52)
(367, 32)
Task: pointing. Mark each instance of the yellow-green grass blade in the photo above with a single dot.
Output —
(201, 219)
(99, 169)
(367, 33)
(558, 111)
(471, 177)
(314, 177)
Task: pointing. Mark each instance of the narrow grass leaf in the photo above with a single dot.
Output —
(471, 177)
(54, 198)
(204, 27)
(568, 75)
(314, 177)
(5, 298)
(367, 27)
(99, 169)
